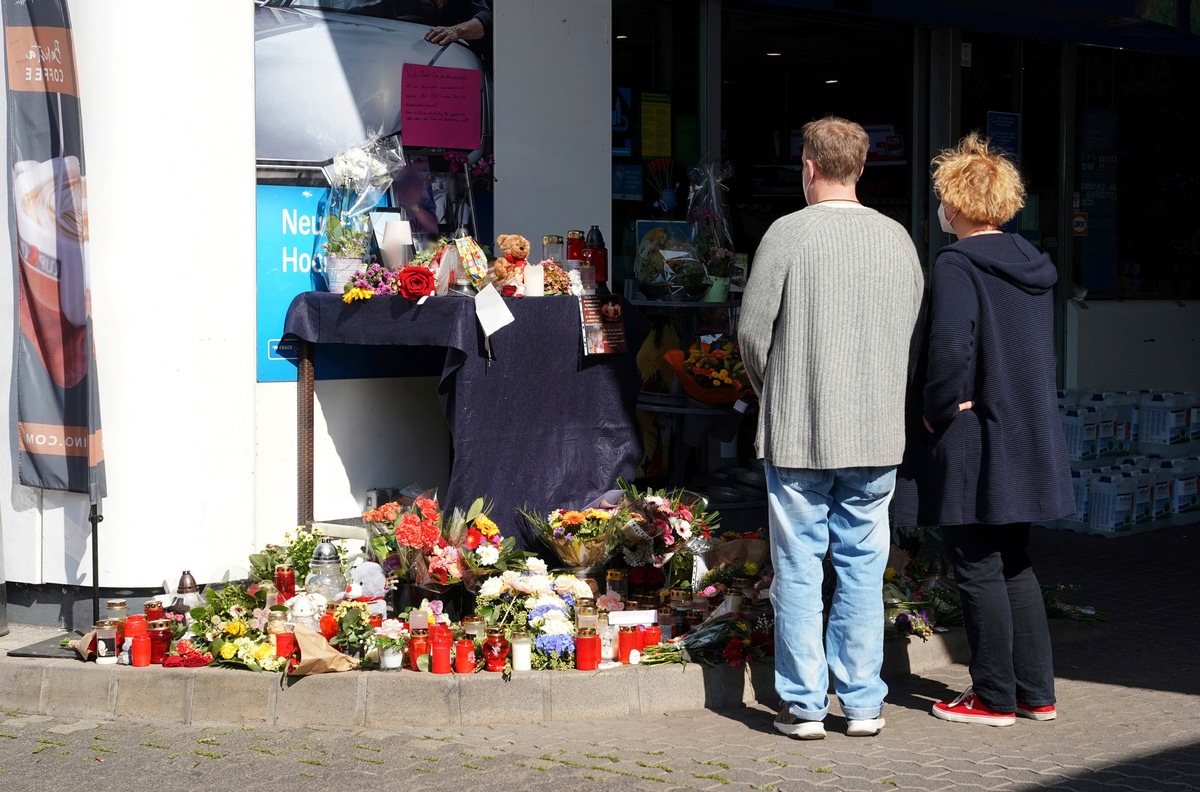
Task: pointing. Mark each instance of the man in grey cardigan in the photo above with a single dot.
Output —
(827, 318)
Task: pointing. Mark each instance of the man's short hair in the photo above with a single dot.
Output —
(838, 146)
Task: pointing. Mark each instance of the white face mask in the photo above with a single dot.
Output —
(944, 221)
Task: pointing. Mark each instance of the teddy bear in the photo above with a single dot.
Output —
(367, 584)
(509, 268)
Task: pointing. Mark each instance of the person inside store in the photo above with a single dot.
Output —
(468, 21)
(413, 196)
(827, 322)
(986, 453)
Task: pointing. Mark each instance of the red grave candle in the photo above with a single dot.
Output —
(464, 656)
(587, 649)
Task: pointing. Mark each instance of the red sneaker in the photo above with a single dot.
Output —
(1037, 713)
(967, 708)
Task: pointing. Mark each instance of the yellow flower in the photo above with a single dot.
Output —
(235, 628)
(357, 294)
(889, 573)
(486, 526)
(228, 650)
(751, 568)
(262, 651)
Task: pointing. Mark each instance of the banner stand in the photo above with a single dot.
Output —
(95, 518)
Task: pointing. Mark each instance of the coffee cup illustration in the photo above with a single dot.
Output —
(52, 243)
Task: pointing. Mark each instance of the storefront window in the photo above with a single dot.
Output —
(1137, 188)
(781, 69)
(1011, 94)
(656, 117)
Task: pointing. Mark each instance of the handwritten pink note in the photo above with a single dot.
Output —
(440, 107)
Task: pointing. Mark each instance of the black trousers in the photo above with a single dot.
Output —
(1004, 615)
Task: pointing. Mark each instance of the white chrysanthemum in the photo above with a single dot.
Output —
(488, 554)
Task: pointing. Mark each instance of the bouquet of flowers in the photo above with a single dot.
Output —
(232, 628)
(536, 601)
(297, 549)
(401, 535)
(720, 578)
(360, 176)
(482, 548)
(711, 372)
(364, 284)
(580, 537)
(355, 633)
(731, 639)
(661, 524)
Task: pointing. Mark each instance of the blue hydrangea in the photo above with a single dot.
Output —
(555, 644)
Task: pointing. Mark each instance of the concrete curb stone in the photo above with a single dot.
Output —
(377, 698)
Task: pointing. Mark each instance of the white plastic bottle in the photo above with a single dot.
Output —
(1162, 425)
(1110, 506)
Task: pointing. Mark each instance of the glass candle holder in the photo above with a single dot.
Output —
(495, 649)
(439, 660)
(159, 633)
(522, 651)
(473, 626)
(587, 649)
(154, 610)
(106, 642)
(285, 582)
(608, 639)
(139, 654)
(553, 249)
(666, 621)
(270, 594)
(418, 645)
(618, 582)
(626, 643)
(464, 656)
(586, 616)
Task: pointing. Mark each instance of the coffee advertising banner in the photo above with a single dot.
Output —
(58, 420)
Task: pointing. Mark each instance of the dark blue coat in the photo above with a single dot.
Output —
(990, 320)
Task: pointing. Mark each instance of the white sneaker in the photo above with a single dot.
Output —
(868, 727)
(789, 724)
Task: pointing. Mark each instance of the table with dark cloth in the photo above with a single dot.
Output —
(537, 424)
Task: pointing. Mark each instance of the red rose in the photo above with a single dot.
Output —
(416, 281)
(637, 576)
(194, 661)
(172, 661)
(508, 291)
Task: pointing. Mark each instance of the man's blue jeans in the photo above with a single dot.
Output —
(842, 512)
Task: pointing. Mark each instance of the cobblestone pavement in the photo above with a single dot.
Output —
(1128, 699)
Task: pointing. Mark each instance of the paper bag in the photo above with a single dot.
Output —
(317, 656)
(84, 645)
(741, 551)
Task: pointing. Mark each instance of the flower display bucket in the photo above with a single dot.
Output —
(718, 291)
(338, 272)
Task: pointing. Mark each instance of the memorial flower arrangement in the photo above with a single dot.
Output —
(476, 176)
(660, 524)
(401, 535)
(542, 603)
(580, 537)
(720, 578)
(359, 176)
(731, 639)
(365, 284)
(231, 626)
(297, 549)
(185, 655)
(391, 634)
(355, 632)
(483, 549)
(711, 371)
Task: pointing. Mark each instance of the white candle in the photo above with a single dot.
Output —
(535, 280)
(522, 653)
